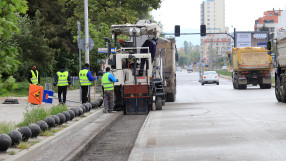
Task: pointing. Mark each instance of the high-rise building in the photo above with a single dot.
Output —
(214, 46)
(213, 15)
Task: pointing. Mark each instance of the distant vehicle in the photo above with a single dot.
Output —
(190, 69)
(210, 77)
(178, 68)
(251, 65)
(224, 67)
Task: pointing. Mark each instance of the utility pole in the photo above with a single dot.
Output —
(86, 31)
(79, 53)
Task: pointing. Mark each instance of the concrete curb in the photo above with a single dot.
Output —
(70, 143)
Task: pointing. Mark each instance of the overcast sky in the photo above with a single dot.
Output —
(240, 14)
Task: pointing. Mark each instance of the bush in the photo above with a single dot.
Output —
(5, 127)
(33, 115)
(7, 86)
(38, 113)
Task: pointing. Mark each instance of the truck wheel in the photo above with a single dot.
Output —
(277, 93)
(283, 91)
(158, 103)
(171, 97)
(234, 83)
(163, 102)
(237, 85)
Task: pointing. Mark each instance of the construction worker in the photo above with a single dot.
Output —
(152, 45)
(62, 80)
(85, 79)
(107, 81)
(33, 76)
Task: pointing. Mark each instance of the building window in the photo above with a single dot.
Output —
(208, 23)
(208, 15)
(208, 19)
(268, 21)
(270, 14)
(276, 14)
(208, 11)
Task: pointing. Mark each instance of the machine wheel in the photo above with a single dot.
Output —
(171, 97)
(203, 84)
(277, 93)
(217, 83)
(158, 103)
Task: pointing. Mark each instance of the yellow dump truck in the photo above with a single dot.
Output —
(251, 65)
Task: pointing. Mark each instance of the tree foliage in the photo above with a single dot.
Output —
(44, 32)
(8, 26)
(190, 55)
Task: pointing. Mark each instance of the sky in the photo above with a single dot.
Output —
(240, 14)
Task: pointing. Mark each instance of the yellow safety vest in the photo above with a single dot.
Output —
(63, 78)
(35, 78)
(83, 79)
(107, 84)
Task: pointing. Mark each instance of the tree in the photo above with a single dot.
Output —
(8, 26)
(33, 46)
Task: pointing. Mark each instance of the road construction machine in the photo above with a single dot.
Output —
(137, 90)
(251, 65)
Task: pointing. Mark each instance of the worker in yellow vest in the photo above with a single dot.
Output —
(108, 86)
(33, 76)
(85, 79)
(62, 80)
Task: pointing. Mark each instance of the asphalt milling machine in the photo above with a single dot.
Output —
(136, 92)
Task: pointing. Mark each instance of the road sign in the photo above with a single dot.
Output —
(82, 44)
(105, 50)
(48, 96)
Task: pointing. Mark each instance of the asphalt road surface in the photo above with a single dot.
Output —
(214, 122)
(117, 142)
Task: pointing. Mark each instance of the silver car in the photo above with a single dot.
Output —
(210, 77)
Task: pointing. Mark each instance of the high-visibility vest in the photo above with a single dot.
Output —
(107, 84)
(35, 78)
(83, 79)
(63, 78)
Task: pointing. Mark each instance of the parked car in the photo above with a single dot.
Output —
(210, 77)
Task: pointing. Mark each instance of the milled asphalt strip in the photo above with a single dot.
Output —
(70, 142)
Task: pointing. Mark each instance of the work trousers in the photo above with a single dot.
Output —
(108, 101)
(62, 90)
(84, 92)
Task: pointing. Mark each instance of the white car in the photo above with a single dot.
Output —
(210, 77)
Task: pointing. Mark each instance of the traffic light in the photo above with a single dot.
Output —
(177, 31)
(203, 30)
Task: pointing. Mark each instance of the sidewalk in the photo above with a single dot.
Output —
(14, 112)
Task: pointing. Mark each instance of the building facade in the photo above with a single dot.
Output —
(214, 46)
(272, 21)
